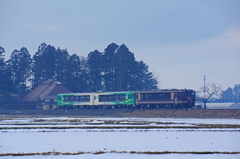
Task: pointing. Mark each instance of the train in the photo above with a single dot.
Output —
(157, 99)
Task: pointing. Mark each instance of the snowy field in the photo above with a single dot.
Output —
(118, 137)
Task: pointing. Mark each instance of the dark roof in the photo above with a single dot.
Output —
(46, 88)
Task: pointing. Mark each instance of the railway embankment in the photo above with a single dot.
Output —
(144, 113)
(188, 113)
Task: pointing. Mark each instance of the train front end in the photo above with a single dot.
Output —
(187, 97)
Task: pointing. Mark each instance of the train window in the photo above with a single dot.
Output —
(122, 97)
(81, 99)
(168, 96)
(162, 97)
(155, 96)
(185, 94)
(105, 98)
(146, 96)
(87, 98)
(102, 98)
(76, 99)
(116, 97)
(188, 94)
(175, 96)
(71, 98)
(110, 98)
(65, 98)
(165, 96)
(159, 96)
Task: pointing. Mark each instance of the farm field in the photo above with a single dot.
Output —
(74, 137)
(144, 113)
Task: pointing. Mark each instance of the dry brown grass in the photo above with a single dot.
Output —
(160, 113)
(148, 113)
(128, 127)
(113, 151)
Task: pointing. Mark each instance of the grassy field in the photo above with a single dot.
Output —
(188, 113)
(147, 113)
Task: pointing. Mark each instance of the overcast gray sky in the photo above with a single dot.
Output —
(180, 40)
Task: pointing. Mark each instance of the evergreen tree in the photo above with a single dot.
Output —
(84, 76)
(114, 70)
(108, 67)
(227, 95)
(124, 62)
(121, 72)
(50, 63)
(44, 64)
(2, 51)
(5, 98)
(76, 79)
(236, 91)
(20, 65)
(61, 61)
(95, 72)
(145, 79)
(5, 74)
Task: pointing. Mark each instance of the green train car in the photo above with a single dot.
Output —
(96, 100)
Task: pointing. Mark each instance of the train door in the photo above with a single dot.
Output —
(175, 98)
(95, 97)
(172, 95)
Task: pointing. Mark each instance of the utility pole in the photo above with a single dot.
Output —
(204, 91)
(204, 86)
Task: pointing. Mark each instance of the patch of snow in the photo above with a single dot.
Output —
(121, 139)
(130, 156)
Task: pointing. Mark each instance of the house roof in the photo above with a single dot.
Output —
(46, 88)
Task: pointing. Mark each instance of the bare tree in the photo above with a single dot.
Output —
(209, 91)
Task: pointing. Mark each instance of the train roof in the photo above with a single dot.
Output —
(166, 90)
(94, 93)
(152, 91)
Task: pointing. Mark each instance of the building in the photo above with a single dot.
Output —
(218, 105)
(49, 102)
(45, 95)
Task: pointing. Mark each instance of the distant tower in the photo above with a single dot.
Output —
(204, 86)
(204, 91)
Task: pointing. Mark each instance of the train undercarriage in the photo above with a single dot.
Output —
(140, 106)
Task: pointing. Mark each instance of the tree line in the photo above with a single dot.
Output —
(115, 69)
(231, 94)
(214, 93)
